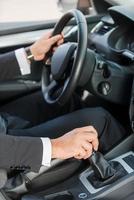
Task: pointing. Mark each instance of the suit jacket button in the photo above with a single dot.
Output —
(17, 167)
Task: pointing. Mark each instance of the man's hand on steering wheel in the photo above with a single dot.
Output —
(67, 62)
(44, 44)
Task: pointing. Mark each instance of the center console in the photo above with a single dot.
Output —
(80, 186)
(127, 162)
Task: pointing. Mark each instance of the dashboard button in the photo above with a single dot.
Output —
(101, 65)
(104, 88)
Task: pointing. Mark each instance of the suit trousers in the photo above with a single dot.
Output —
(31, 116)
(109, 130)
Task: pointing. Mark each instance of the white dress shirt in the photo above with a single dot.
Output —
(25, 69)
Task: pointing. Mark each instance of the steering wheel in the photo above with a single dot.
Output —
(64, 80)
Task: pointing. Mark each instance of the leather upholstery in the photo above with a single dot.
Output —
(105, 172)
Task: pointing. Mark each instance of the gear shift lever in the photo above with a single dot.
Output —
(104, 172)
(102, 169)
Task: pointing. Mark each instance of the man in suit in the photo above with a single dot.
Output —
(72, 135)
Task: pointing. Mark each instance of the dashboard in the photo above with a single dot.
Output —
(114, 40)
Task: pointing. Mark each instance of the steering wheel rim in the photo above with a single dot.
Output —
(71, 82)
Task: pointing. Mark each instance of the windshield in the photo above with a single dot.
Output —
(28, 10)
(38, 10)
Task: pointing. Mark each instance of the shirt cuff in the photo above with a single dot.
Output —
(47, 151)
(22, 61)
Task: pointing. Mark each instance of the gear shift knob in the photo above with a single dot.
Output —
(102, 169)
(104, 172)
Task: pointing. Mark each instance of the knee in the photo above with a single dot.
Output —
(99, 112)
(97, 117)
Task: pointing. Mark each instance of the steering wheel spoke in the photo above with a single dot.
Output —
(53, 90)
(52, 86)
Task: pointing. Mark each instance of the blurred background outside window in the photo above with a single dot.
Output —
(39, 10)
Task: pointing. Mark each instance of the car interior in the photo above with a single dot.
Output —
(100, 48)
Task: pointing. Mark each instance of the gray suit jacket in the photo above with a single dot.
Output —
(9, 67)
(17, 152)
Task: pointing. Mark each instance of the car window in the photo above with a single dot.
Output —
(38, 10)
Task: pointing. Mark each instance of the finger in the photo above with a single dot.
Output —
(47, 35)
(92, 138)
(60, 42)
(88, 155)
(77, 157)
(81, 153)
(95, 144)
(55, 39)
(89, 136)
(88, 148)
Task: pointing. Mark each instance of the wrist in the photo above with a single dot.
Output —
(55, 148)
(38, 56)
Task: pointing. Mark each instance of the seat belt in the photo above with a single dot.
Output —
(131, 108)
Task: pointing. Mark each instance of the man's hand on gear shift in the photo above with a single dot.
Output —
(78, 143)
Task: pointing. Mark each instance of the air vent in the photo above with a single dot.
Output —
(104, 29)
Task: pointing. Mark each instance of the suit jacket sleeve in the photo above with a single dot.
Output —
(20, 152)
(9, 67)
